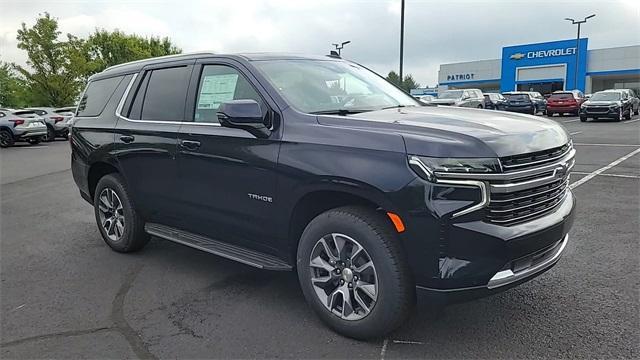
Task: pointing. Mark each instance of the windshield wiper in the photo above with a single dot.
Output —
(397, 107)
(341, 112)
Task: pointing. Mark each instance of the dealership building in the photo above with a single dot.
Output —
(547, 67)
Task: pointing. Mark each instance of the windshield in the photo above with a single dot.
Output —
(317, 86)
(605, 96)
(451, 94)
(517, 97)
(561, 96)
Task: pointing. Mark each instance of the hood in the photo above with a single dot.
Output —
(460, 132)
(601, 103)
(444, 101)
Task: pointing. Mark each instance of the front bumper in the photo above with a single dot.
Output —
(600, 112)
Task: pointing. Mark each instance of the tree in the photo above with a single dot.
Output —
(13, 92)
(112, 48)
(53, 78)
(407, 84)
(57, 70)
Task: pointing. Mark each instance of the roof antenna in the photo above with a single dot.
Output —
(334, 54)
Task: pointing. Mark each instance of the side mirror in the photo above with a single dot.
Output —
(245, 115)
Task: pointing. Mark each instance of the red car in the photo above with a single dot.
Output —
(561, 102)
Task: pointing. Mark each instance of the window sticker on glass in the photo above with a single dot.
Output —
(216, 89)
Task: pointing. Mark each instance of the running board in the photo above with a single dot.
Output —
(232, 252)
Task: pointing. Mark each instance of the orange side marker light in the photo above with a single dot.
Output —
(397, 222)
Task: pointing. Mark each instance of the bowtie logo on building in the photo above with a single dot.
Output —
(517, 56)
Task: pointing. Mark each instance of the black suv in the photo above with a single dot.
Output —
(318, 164)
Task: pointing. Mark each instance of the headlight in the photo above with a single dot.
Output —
(428, 166)
(614, 106)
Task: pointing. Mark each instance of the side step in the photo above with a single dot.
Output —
(233, 252)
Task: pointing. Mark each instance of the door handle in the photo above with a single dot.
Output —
(127, 138)
(190, 144)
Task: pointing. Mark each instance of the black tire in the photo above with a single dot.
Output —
(534, 110)
(637, 112)
(549, 114)
(6, 138)
(133, 237)
(628, 116)
(51, 134)
(34, 141)
(620, 115)
(583, 118)
(396, 289)
(480, 107)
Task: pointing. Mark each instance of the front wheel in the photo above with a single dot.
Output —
(120, 225)
(534, 110)
(583, 118)
(628, 116)
(549, 114)
(354, 274)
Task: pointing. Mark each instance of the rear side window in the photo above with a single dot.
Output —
(166, 92)
(564, 96)
(40, 112)
(97, 95)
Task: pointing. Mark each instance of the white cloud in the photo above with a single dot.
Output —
(435, 31)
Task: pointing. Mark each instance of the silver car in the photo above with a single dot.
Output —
(56, 120)
(463, 98)
(18, 128)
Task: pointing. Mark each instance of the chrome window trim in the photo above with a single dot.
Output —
(124, 98)
(484, 195)
(506, 277)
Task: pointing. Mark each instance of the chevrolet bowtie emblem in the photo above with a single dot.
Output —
(517, 56)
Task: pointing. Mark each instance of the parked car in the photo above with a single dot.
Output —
(69, 112)
(494, 101)
(17, 128)
(56, 122)
(462, 98)
(632, 97)
(561, 102)
(426, 99)
(372, 200)
(524, 102)
(608, 104)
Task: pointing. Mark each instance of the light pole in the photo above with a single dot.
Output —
(401, 38)
(579, 22)
(340, 46)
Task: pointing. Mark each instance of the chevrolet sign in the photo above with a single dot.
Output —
(544, 53)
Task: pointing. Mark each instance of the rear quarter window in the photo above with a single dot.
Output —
(97, 95)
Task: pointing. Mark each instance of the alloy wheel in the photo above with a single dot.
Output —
(111, 214)
(5, 139)
(343, 276)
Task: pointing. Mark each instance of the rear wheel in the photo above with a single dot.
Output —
(480, 107)
(34, 140)
(6, 138)
(120, 225)
(583, 118)
(354, 273)
(51, 134)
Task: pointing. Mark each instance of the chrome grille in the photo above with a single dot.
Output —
(534, 159)
(530, 186)
(520, 206)
(597, 109)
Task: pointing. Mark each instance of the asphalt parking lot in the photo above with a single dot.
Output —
(64, 294)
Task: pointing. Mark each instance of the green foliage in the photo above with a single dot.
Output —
(407, 84)
(57, 70)
(112, 48)
(13, 92)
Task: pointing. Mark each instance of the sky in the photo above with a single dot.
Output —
(436, 32)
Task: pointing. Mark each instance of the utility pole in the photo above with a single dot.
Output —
(401, 39)
(579, 22)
